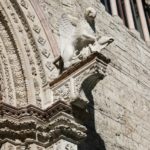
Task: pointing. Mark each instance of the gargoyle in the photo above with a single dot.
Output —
(77, 34)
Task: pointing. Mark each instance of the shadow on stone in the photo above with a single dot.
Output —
(93, 140)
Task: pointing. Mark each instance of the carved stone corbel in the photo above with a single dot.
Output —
(69, 85)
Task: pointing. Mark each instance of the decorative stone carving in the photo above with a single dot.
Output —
(64, 145)
(24, 4)
(37, 93)
(62, 93)
(7, 146)
(20, 28)
(7, 86)
(18, 119)
(10, 147)
(69, 147)
(31, 16)
(7, 4)
(36, 28)
(56, 124)
(14, 17)
(28, 26)
(16, 67)
(49, 65)
(41, 40)
(46, 53)
(76, 34)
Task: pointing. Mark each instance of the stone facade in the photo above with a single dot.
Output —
(100, 103)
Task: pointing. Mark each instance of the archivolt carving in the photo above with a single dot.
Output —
(18, 62)
(7, 93)
(31, 38)
(2, 84)
(26, 45)
(14, 61)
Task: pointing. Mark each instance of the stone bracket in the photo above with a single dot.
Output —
(68, 86)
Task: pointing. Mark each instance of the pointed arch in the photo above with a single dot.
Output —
(28, 51)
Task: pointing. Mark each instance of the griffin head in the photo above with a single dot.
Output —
(90, 14)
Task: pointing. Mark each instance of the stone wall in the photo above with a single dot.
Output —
(119, 105)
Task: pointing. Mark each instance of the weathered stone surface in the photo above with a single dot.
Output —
(118, 107)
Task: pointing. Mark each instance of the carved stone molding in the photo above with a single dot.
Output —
(63, 145)
(9, 51)
(53, 124)
(29, 50)
(33, 112)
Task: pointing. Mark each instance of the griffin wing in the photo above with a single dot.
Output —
(66, 31)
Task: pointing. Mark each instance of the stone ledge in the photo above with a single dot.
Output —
(30, 110)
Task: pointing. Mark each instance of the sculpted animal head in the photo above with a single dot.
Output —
(90, 14)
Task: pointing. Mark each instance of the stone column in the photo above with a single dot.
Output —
(63, 145)
(114, 7)
(143, 20)
(129, 15)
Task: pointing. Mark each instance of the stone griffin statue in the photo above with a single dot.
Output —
(77, 35)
